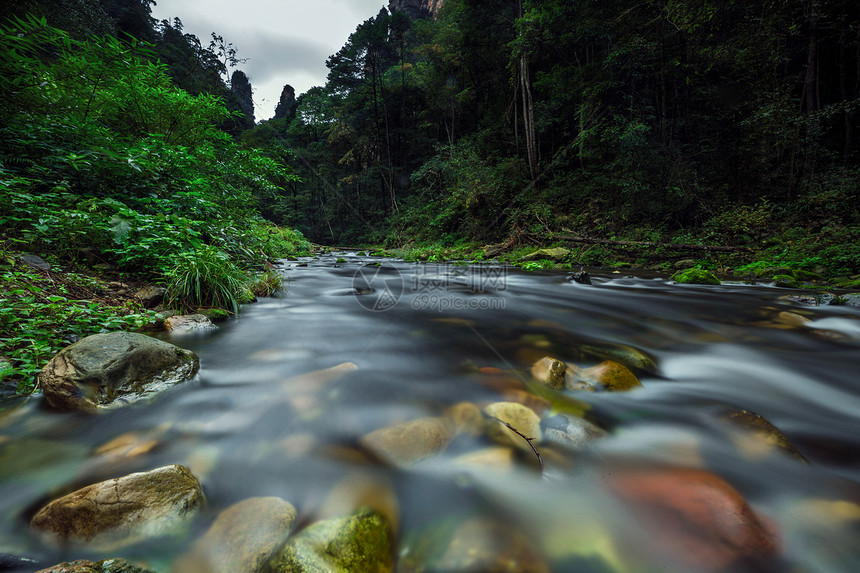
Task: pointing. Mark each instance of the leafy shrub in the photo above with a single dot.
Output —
(206, 277)
(268, 283)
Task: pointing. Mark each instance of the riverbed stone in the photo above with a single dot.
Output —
(105, 371)
(188, 323)
(466, 418)
(520, 417)
(471, 546)
(695, 276)
(358, 543)
(761, 436)
(243, 538)
(103, 566)
(122, 511)
(550, 371)
(571, 432)
(405, 444)
(557, 254)
(695, 517)
(607, 376)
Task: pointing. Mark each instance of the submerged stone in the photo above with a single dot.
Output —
(761, 436)
(105, 371)
(122, 511)
(243, 538)
(358, 543)
(405, 444)
(520, 417)
(696, 518)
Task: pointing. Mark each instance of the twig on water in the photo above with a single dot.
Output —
(523, 436)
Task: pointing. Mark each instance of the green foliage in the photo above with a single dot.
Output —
(269, 283)
(206, 277)
(39, 315)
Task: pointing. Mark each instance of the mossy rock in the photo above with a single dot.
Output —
(215, 314)
(359, 543)
(557, 254)
(340, 260)
(696, 277)
(784, 281)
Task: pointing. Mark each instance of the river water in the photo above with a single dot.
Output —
(427, 336)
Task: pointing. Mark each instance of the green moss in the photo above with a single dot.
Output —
(359, 543)
(696, 276)
(784, 281)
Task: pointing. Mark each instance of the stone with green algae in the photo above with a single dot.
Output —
(696, 277)
(358, 543)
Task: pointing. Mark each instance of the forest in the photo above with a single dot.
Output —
(730, 123)
(638, 127)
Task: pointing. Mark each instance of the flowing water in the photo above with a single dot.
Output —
(427, 336)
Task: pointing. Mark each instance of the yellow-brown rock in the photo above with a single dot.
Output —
(520, 417)
(466, 418)
(405, 444)
(550, 371)
(607, 376)
(122, 511)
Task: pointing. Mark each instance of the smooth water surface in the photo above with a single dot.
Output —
(427, 336)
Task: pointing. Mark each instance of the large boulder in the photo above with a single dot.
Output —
(244, 537)
(122, 511)
(106, 371)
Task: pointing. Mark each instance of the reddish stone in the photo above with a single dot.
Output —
(696, 517)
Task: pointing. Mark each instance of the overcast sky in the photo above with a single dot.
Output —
(285, 41)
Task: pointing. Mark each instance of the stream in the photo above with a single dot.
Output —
(426, 336)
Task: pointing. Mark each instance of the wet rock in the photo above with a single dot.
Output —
(792, 319)
(493, 251)
(359, 543)
(852, 299)
(122, 511)
(629, 356)
(550, 371)
(695, 276)
(103, 566)
(476, 545)
(571, 432)
(580, 277)
(106, 371)
(695, 517)
(150, 296)
(466, 418)
(758, 436)
(520, 417)
(243, 538)
(557, 254)
(528, 399)
(405, 444)
(362, 490)
(497, 458)
(607, 376)
(188, 323)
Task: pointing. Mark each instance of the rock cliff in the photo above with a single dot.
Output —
(287, 105)
(416, 8)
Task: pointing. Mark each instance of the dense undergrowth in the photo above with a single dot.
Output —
(104, 163)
